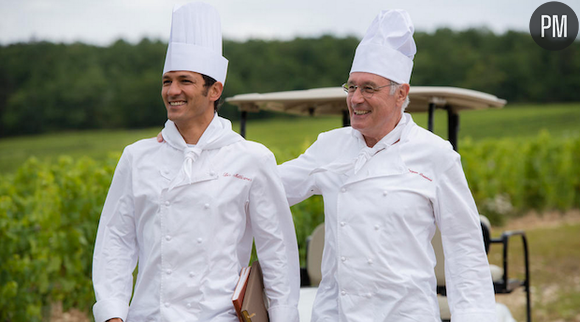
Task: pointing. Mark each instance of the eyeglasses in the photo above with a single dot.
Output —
(367, 91)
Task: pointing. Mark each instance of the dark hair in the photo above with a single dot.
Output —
(209, 81)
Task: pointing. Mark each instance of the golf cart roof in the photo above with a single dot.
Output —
(332, 100)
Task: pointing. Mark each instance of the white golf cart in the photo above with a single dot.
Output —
(332, 101)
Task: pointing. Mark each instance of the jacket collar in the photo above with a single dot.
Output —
(217, 135)
(382, 160)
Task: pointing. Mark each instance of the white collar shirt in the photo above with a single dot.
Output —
(380, 217)
(188, 216)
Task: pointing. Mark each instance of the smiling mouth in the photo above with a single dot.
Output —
(361, 112)
(177, 103)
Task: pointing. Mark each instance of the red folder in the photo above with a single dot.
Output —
(240, 291)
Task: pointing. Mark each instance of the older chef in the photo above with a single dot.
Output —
(386, 184)
(187, 210)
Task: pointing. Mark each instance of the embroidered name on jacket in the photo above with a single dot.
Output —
(422, 175)
(237, 176)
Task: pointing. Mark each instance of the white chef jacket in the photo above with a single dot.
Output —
(378, 262)
(190, 225)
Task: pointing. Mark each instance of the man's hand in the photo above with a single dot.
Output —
(160, 138)
(115, 319)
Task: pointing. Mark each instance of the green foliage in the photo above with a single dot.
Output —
(307, 215)
(49, 212)
(511, 176)
(48, 218)
(46, 87)
(50, 87)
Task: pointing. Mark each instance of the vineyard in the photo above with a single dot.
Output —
(88, 100)
(49, 212)
(48, 219)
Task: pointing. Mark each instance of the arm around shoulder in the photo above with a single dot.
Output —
(298, 183)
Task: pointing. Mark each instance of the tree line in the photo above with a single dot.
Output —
(46, 87)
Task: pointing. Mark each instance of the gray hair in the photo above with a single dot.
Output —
(394, 87)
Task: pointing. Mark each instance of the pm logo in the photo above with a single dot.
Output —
(554, 26)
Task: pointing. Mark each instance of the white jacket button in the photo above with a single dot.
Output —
(199, 240)
(343, 293)
(206, 206)
(343, 190)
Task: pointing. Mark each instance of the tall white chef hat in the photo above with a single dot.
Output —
(195, 42)
(387, 48)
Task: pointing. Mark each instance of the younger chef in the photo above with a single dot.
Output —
(187, 210)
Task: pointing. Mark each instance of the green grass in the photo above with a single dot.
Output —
(521, 121)
(277, 134)
(287, 138)
(554, 273)
(295, 134)
(48, 147)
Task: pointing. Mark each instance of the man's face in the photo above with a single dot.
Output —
(376, 116)
(185, 97)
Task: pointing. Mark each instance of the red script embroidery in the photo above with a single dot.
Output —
(237, 176)
(422, 175)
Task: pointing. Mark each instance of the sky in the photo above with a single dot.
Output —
(102, 22)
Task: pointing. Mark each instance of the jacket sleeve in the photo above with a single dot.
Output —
(298, 183)
(275, 238)
(468, 278)
(115, 255)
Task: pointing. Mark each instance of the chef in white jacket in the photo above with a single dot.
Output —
(187, 210)
(386, 184)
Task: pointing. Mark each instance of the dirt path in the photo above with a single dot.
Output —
(548, 293)
(74, 315)
(533, 220)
